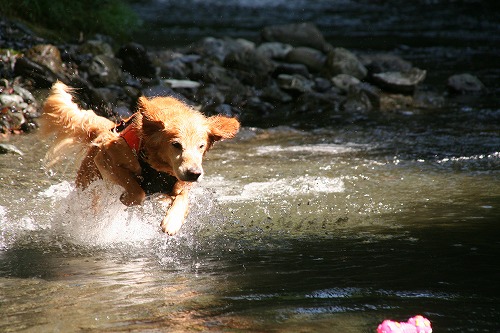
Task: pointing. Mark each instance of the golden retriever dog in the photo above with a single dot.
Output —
(159, 149)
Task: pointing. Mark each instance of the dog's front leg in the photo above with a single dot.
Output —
(176, 214)
(117, 163)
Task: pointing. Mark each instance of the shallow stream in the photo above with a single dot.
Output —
(332, 229)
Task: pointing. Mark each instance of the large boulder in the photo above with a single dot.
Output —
(342, 61)
(249, 65)
(46, 55)
(297, 34)
(312, 58)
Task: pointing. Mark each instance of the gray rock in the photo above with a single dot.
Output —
(24, 93)
(218, 49)
(299, 34)
(274, 94)
(291, 69)
(274, 50)
(342, 61)
(465, 83)
(400, 82)
(344, 81)
(312, 58)
(295, 82)
(104, 70)
(6, 148)
(251, 67)
(96, 47)
(322, 84)
(362, 98)
(10, 100)
(181, 84)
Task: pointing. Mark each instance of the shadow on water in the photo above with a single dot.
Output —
(349, 282)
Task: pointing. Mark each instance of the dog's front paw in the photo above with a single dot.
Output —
(132, 199)
(171, 225)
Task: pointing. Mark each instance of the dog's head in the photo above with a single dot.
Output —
(175, 137)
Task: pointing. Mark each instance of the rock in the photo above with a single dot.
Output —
(274, 50)
(400, 82)
(344, 81)
(175, 68)
(136, 61)
(105, 70)
(295, 82)
(274, 94)
(251, 67)
(217, 48)
(46, 55)
(298, 34)
(465, 83)
(6, 148)
(342, 61)
(24, 93)
(358, 100)
(291, 69)
(184, 84)
(321, 84)
(383, 62)
(220, 76)
(312, 58)
(96, 47)
(8, 100)
(42, 76)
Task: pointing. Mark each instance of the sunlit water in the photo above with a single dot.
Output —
(327, 230)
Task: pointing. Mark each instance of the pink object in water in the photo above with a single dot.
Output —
(417, 324)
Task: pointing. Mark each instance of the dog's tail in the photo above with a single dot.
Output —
(74, 129)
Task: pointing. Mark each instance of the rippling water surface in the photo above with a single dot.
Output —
(311, 231)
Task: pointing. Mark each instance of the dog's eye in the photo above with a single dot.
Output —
(202, 146)
(177, 145)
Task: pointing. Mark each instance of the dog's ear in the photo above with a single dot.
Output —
(149, 124)
(221, 128)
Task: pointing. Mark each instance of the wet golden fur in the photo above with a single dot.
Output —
(173, 136)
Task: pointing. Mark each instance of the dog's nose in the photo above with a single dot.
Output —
(192, 174)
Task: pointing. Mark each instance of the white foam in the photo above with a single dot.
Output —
(318, 148)
(256, 191)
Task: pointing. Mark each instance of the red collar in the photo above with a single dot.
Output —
(130, 135)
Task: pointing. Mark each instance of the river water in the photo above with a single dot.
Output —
(326, 229)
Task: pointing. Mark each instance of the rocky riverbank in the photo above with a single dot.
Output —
(291, 74)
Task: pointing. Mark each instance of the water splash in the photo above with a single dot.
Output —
(95, 219)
